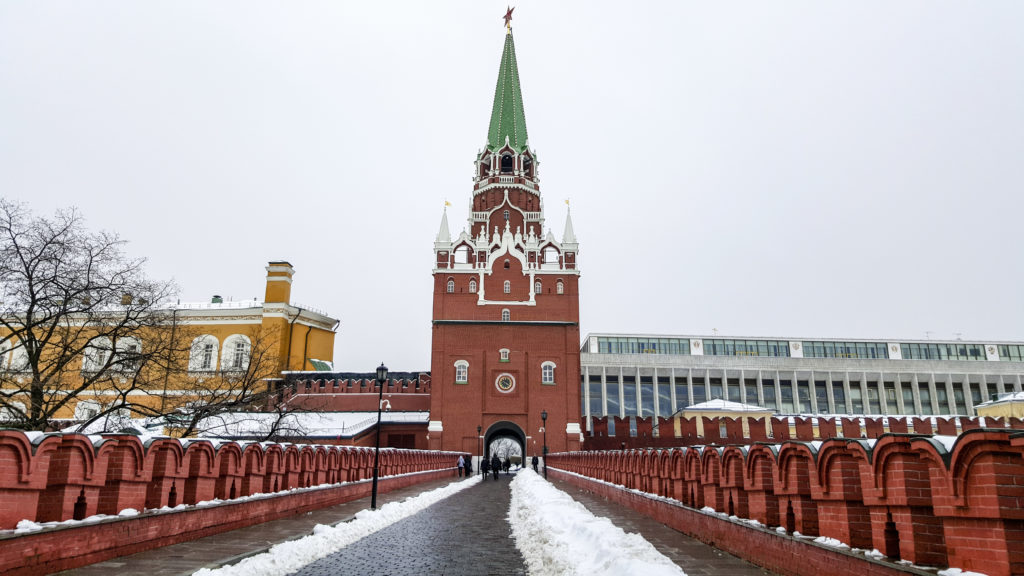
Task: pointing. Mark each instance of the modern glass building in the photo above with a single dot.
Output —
(648, 375)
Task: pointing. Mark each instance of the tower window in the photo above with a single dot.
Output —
(507, 264)
(505, 315)
(505, 213)
(547, 373)
(506, 164)
(472, 286)
(528, 167)
(503, 354)
(508, 287)
(537, 287)
(559, 287)
(461, 372)
(451, 285)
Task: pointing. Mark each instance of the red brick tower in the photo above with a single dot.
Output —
(506, 335)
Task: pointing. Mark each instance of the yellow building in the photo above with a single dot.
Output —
(1005, 406)
(182, 356)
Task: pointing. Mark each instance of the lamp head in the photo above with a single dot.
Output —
(544, 415)
(382, 373)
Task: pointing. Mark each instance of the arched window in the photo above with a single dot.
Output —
(536, 287)
(236, 353)
(97, 353)
(13, 411)
(528, 167)
(128, 354)
(559, 287)
(508, 287)
(503, 355)
(505, 315)
(87, 409)
(550, 255)
(18, 360)
(5, 348)
(507, 264)
(472, 286)
(461, 372)
(451, 285)
(547, 373)
(506, 164)
(203, 357)
(506, 215)
(462, 254)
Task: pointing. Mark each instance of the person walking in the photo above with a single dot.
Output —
(462, 465)
(495, 466)
(508, 464)
(469, 466)
(484, 466)
(534, 461)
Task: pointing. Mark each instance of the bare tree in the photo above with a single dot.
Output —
(505, 447)
(83, 328)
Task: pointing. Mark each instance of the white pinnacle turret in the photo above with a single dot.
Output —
(569, 236)
(444, 235)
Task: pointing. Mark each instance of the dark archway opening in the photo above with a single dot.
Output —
(505, 439)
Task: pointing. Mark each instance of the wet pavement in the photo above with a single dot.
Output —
(467, 533)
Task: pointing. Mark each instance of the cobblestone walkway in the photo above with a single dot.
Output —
(465, 534)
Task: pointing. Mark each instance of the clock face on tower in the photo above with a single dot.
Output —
(505, 383)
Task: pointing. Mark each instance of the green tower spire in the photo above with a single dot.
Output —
(507, 117)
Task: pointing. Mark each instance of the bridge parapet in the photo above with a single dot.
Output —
(933, 501)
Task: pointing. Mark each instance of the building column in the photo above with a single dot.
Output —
(848, 409)
(829, 396)
(898, 390)
(916, 391)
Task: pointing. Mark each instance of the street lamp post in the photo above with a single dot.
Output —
(382, 376)
(544, 419)
(479, 433)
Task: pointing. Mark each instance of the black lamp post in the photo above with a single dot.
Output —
(382, 376)
(479, 433)
(544, 419)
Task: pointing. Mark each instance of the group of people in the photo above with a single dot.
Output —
(495, 465)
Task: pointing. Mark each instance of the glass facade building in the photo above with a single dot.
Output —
(635, 375)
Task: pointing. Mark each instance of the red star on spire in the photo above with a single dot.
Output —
(508, 17)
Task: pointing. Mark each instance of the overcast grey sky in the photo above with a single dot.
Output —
(837, 169)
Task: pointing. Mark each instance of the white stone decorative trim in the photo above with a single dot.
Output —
(279, 279)
(573, 428)
(435, 426)
(895, 351)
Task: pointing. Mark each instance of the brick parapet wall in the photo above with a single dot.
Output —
(66, 547)
(684, 431)
(780, 553)
(57, 477)
(911, 497)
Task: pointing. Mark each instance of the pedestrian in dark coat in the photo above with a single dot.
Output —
(495, 465)
(484, 466)
(462, 464)
(469, 467)
(534, 461)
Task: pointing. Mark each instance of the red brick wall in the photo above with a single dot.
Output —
(64, 548)
(907, 496)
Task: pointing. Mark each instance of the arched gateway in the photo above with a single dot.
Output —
(506, 337)
(504, 429)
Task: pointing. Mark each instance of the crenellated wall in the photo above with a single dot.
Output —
(918, 498)
(654, 432)
(56, 477)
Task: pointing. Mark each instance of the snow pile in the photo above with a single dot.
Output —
(287, 557)
(830, 542)
(557, 535)
(958, 572)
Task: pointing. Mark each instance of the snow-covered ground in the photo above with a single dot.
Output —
(557, 536)
(290, 556)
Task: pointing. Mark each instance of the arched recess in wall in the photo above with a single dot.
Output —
(203, 356)
(236, 353)
(96, 355)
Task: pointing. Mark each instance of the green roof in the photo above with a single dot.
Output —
(507, 117)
